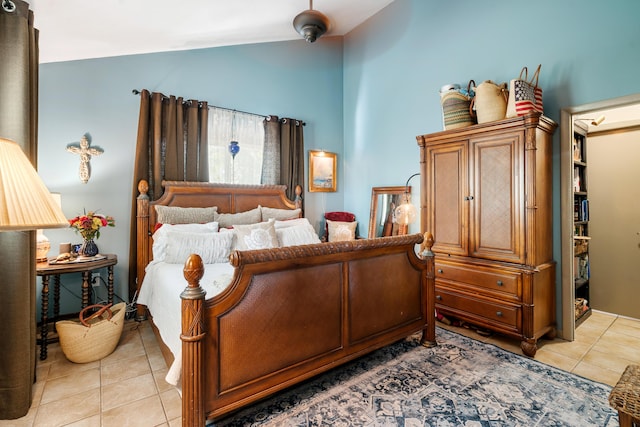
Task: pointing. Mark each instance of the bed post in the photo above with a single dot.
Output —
(298, 199)
(192, 337)
(429, 334)
(142, 228)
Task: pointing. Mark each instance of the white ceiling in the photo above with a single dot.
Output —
(82, 29)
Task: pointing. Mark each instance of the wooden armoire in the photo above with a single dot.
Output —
(487, 200)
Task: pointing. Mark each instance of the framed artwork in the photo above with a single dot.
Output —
(322, 171)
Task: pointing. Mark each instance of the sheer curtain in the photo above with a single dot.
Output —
(284, 153)
(18, 122)
(171, 145)
(248, 131)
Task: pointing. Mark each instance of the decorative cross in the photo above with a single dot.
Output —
(85, 153)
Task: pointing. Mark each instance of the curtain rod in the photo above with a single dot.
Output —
(268, 117)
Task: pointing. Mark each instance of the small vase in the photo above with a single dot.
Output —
(88, 248)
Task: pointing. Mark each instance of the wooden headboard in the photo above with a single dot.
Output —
(229, 198)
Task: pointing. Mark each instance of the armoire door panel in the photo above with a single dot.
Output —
(447, 186)
(496, 206)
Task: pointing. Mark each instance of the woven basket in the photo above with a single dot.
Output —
(456, 110)
(491, 101)
(580, 247)
(83, 344)
(625, 396)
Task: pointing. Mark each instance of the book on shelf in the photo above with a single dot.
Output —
(581, 210)
(581, 268)
(584, 210)
(576, 179)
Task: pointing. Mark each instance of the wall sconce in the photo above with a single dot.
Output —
(26, 201)
(406, 213)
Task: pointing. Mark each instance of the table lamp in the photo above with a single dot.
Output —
(25, 202)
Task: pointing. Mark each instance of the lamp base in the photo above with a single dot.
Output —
(42, 246)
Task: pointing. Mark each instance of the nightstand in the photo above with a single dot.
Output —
(46, 270)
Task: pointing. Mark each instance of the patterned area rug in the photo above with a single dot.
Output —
(461, 382)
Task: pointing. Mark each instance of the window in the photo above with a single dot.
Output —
(248, 130)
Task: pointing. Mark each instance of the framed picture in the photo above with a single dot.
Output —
(322, 171)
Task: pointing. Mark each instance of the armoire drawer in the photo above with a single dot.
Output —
(504, 282)
(491, 311)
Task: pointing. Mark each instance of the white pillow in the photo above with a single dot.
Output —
(232, 233)
(279, 214)
(342, 231)
(292, 223)
(247, 217)
(209, 227)
(256, 236)
(177, 246)
(303, 234)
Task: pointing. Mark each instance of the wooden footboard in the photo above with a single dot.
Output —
(291, 313)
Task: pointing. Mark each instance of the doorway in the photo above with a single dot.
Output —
(622, 113)
(614, 220)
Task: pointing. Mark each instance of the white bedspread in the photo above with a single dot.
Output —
(160, 292)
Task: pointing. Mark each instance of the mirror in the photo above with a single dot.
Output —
(384, 201)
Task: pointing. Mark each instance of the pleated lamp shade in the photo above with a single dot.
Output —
(25, 202)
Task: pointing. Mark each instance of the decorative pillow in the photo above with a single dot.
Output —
(297, 235)
(209, 227)
(292, 223)
(256, 236)
(179, 215)
(279, 214)
(177, 246)
(226, 220)
(341, 231)
(234, 239)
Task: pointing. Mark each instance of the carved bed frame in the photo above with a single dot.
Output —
(289, 313)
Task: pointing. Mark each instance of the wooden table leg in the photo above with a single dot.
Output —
(43, 317)
(56, 297)
(110, 284)
(86, 278)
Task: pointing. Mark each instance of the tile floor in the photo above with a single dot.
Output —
(127, 388)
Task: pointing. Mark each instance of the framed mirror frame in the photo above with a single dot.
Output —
(384, 201)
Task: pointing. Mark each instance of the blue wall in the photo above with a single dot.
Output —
(288, 79)
(365, 96)
(396, 62)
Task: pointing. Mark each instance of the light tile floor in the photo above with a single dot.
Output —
(127, 388)
(604, 345)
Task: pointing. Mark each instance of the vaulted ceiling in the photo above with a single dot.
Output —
(81, 29)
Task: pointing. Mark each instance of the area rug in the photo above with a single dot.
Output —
(461, 382)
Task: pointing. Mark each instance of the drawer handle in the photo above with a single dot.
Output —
(499, 282)
(440, 270)
(439, 298)
(499, 313)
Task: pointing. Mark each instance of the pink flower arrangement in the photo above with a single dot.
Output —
(89, 224)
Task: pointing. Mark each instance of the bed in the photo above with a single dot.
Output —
(271, 318)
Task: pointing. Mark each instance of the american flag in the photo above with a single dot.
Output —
(528, 98)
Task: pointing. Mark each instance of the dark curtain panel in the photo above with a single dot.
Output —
(271, 152)
(171, 145)
(18, 122)
(287, 135)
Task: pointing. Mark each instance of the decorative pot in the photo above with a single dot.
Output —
(88, 248)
